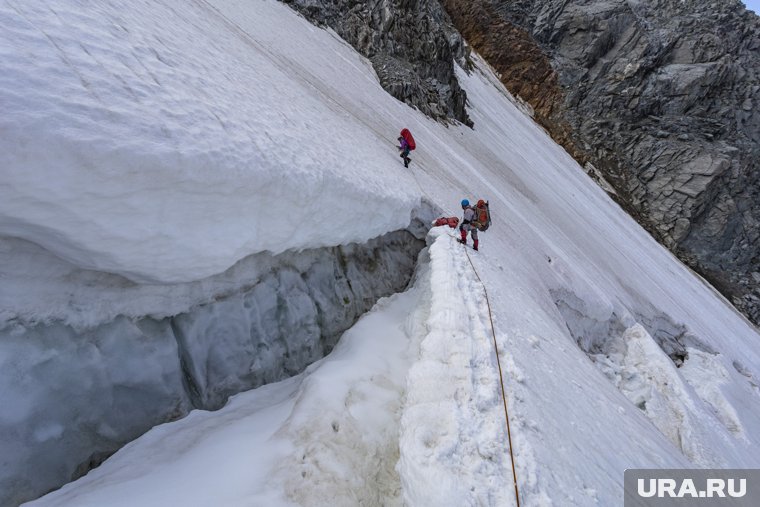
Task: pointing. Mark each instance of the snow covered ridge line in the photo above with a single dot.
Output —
(453, 438)
(73, 397)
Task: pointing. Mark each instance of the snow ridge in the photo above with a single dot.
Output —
(453, 434)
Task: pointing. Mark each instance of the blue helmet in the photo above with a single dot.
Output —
(465, 202)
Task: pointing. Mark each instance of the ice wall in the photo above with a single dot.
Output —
(73, 396)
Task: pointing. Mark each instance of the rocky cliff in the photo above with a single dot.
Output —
(661, 96)
(657, 97)
(411, 44)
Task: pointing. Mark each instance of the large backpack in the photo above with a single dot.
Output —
(408, 138)
(482, 215)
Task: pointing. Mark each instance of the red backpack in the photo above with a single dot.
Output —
(408, 138)
(482, 215)
(450, 221)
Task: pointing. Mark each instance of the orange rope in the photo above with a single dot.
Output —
(501, 379)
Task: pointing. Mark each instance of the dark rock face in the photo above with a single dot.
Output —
(411, 45)
(662, 96)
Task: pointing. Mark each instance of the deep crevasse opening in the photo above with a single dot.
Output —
(404, 411)
(74, 394)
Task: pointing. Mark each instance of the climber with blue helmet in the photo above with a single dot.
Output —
(468, 217)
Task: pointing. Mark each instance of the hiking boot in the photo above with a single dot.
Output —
(475, 245)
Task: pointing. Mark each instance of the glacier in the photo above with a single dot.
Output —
(157, 157)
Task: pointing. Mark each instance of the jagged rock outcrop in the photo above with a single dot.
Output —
(411, 45)
(663, 97)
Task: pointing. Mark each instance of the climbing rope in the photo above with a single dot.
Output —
(496, 349)
(501, 377)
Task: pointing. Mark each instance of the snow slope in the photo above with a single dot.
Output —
(161, 137)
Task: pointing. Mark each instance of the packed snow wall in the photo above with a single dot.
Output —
(73, 395)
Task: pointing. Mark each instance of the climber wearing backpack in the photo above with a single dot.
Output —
(473, 220)
(467, 217)
(406, 144)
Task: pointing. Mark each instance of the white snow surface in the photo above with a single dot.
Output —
(167, 143)
(163, 141)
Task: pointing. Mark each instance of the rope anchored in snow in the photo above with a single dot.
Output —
(501, 378)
